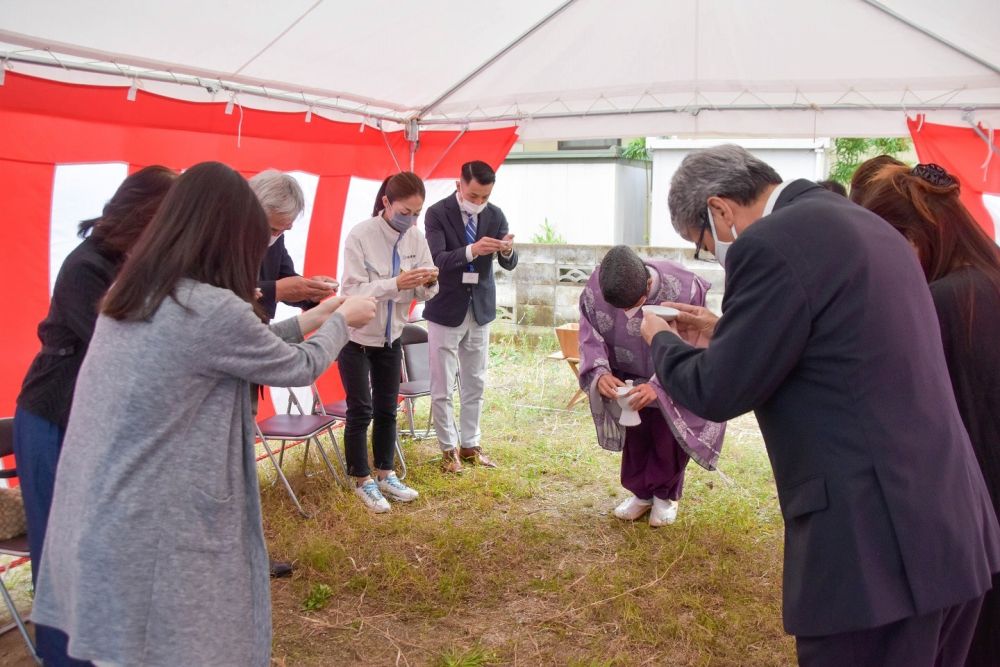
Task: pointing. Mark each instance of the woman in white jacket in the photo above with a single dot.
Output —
(385, 257)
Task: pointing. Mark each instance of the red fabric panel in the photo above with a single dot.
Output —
(47, 121)
(321, 255)
(265, 405)
(44, 123)
(26, 190)
(962, 153)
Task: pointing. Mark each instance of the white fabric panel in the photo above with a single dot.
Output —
(992, 204)
(79, 192)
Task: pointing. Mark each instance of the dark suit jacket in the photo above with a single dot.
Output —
(445, 230)
(277, 265)
(830, 336)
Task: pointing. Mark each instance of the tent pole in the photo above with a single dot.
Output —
(446, 151)
(937, 38)
(497, 56)
(967, 117)
(412, 134)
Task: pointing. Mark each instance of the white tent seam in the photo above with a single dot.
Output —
(278, 38)
(494, 58)
(937, 38)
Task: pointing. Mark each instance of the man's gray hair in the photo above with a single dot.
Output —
(721, 171)
(278, 193)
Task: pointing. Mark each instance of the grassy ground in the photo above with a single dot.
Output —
(525, 565)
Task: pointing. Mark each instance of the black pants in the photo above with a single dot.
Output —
(938, 639)
(370, 376)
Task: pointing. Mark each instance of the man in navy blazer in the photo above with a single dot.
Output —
(464, 232)
(283, 201)
(829, 334)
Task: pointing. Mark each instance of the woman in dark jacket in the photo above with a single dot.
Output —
(47, 392)
(962, 265)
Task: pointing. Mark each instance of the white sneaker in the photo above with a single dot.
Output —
(372, 497)
(664, 512)
(633, 508)
(395, 489)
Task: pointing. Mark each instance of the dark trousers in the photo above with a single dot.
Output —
(370, 376)
(985, 650)
(653, 464)
(37, 443)
(938, 639)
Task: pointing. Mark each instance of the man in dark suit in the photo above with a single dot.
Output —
(464, 232)
(828, 333)
(283, 202)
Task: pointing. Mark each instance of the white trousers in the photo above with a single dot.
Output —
(461, 350)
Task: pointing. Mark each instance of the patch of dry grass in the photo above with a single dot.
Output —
(525, 565)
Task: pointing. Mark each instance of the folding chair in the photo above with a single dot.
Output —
(416, 379)
(338, 411)
(16, 546)
(296, 428)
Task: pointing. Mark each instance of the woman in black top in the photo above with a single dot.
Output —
(962, 265)
(47, 392)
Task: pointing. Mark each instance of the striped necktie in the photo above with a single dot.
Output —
(395, 272)
(470, 234)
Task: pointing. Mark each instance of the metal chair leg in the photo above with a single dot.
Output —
(402, 459)
(18, 622)
(305, 461)
(284, 480)
(430, 421)
(326, 459)
(281, 454)
(340, 459)
(409, 415)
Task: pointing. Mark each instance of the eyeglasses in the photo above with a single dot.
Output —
(934, 174)
(698, 247)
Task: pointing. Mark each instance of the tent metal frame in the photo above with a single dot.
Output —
(375, 112)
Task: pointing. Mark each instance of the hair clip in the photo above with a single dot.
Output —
(934, 174)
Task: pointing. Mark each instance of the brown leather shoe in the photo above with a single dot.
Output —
(476, 455)
(450, 461)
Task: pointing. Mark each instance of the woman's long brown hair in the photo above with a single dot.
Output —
(210, 228)
(129, 210)
(923, 205)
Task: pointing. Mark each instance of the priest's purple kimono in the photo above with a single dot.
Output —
(656, 452)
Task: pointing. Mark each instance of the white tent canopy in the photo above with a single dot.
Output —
(558, 68)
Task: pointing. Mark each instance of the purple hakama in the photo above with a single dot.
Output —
(656, 452)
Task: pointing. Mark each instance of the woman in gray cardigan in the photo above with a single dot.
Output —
(155, 552)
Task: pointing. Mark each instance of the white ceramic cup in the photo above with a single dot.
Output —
(663, 312)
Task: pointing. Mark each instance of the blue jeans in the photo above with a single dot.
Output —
(37, 443)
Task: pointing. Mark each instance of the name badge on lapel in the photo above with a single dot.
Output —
(470, 278)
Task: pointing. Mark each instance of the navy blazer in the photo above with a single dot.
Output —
(445, 231)
(829, 334)
(277, 264)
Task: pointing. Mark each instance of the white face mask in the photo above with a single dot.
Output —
(473, 209)
(721, 247)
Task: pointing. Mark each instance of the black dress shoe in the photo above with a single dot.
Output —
(280, 569)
